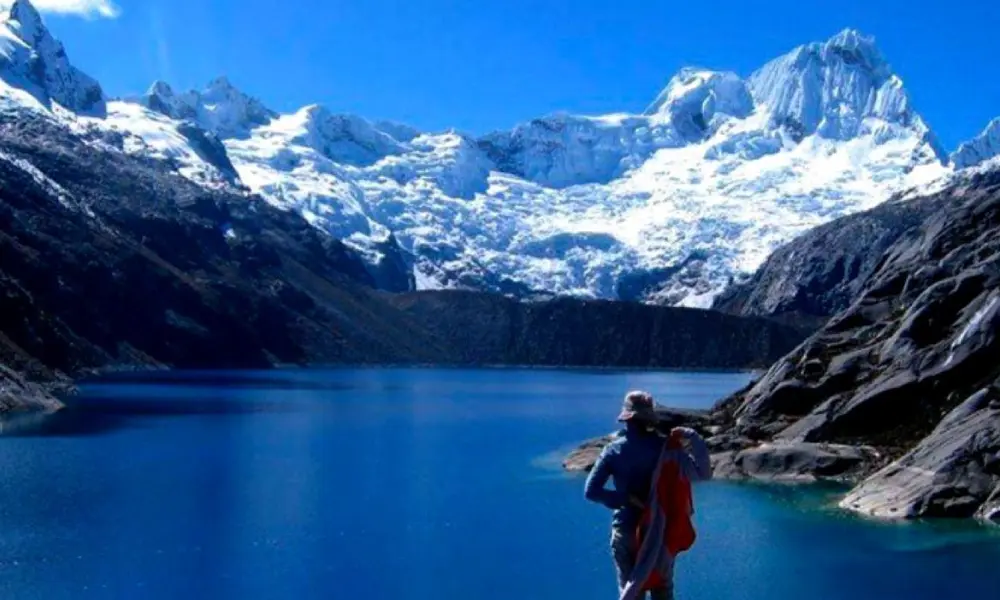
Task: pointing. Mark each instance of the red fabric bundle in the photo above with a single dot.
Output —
(673, 494)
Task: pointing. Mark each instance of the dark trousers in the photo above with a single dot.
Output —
(624, 551)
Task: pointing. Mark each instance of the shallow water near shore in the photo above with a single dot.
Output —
(407, 483)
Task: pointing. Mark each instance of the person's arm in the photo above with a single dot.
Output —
(595, 489)
(698, 467)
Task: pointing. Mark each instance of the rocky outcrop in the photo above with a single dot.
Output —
(796, 462)
(915, 343)
(392, 271)
(989, 512)
(953, 472)
(910, 368)
(16, 393)
(980, 149)
(740, 458)
(582, 458)
(210, 149)
(821, 272)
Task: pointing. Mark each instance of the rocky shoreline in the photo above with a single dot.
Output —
(736, 457)
(930, 481)
(18, 394)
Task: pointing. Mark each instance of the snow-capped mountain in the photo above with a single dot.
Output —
(34, 67)
(220, 108)
(982, 148)
(668, 205)
(839, 90)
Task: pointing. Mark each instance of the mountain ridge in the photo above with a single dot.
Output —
(177, 275)
(698, 191)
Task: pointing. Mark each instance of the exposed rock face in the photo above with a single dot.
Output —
(18, 394)
(34, 61)
(210, 148)
(909, 367)
(982, 148)
(951, 473)
(796, 462)
(220, 108)
(915, 343)
(989, 512)
(821, 272)
(106, 260)
(392, 271)
(583, 458)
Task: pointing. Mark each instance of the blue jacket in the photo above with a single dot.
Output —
(630, 460)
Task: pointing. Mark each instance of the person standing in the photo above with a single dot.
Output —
(630, 462)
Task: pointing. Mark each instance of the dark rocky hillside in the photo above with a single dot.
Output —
(108, 261)
(821, 272)
(899, 393)
(488, 329)
(912, 367)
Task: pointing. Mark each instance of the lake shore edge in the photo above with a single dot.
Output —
(860, 468)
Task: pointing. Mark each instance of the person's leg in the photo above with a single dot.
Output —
(621, 552)
(667, 591)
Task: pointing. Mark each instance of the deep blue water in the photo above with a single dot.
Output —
(407, 484)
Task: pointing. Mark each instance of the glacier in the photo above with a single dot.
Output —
(669, 205)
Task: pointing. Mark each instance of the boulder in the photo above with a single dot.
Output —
(582, 459)
(989, 512)
(728, 442)
(795, 462)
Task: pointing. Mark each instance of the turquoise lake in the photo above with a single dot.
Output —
(407, 484)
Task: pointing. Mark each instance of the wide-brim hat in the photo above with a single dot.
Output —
(638, 406)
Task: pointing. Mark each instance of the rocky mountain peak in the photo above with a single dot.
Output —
(24, 18)
(854, 47)
(831, 88)
(220, 108)
(34, 61)
(980, 149)
(160, 88)
(222, 84)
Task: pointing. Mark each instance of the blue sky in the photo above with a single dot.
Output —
(480, 65)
